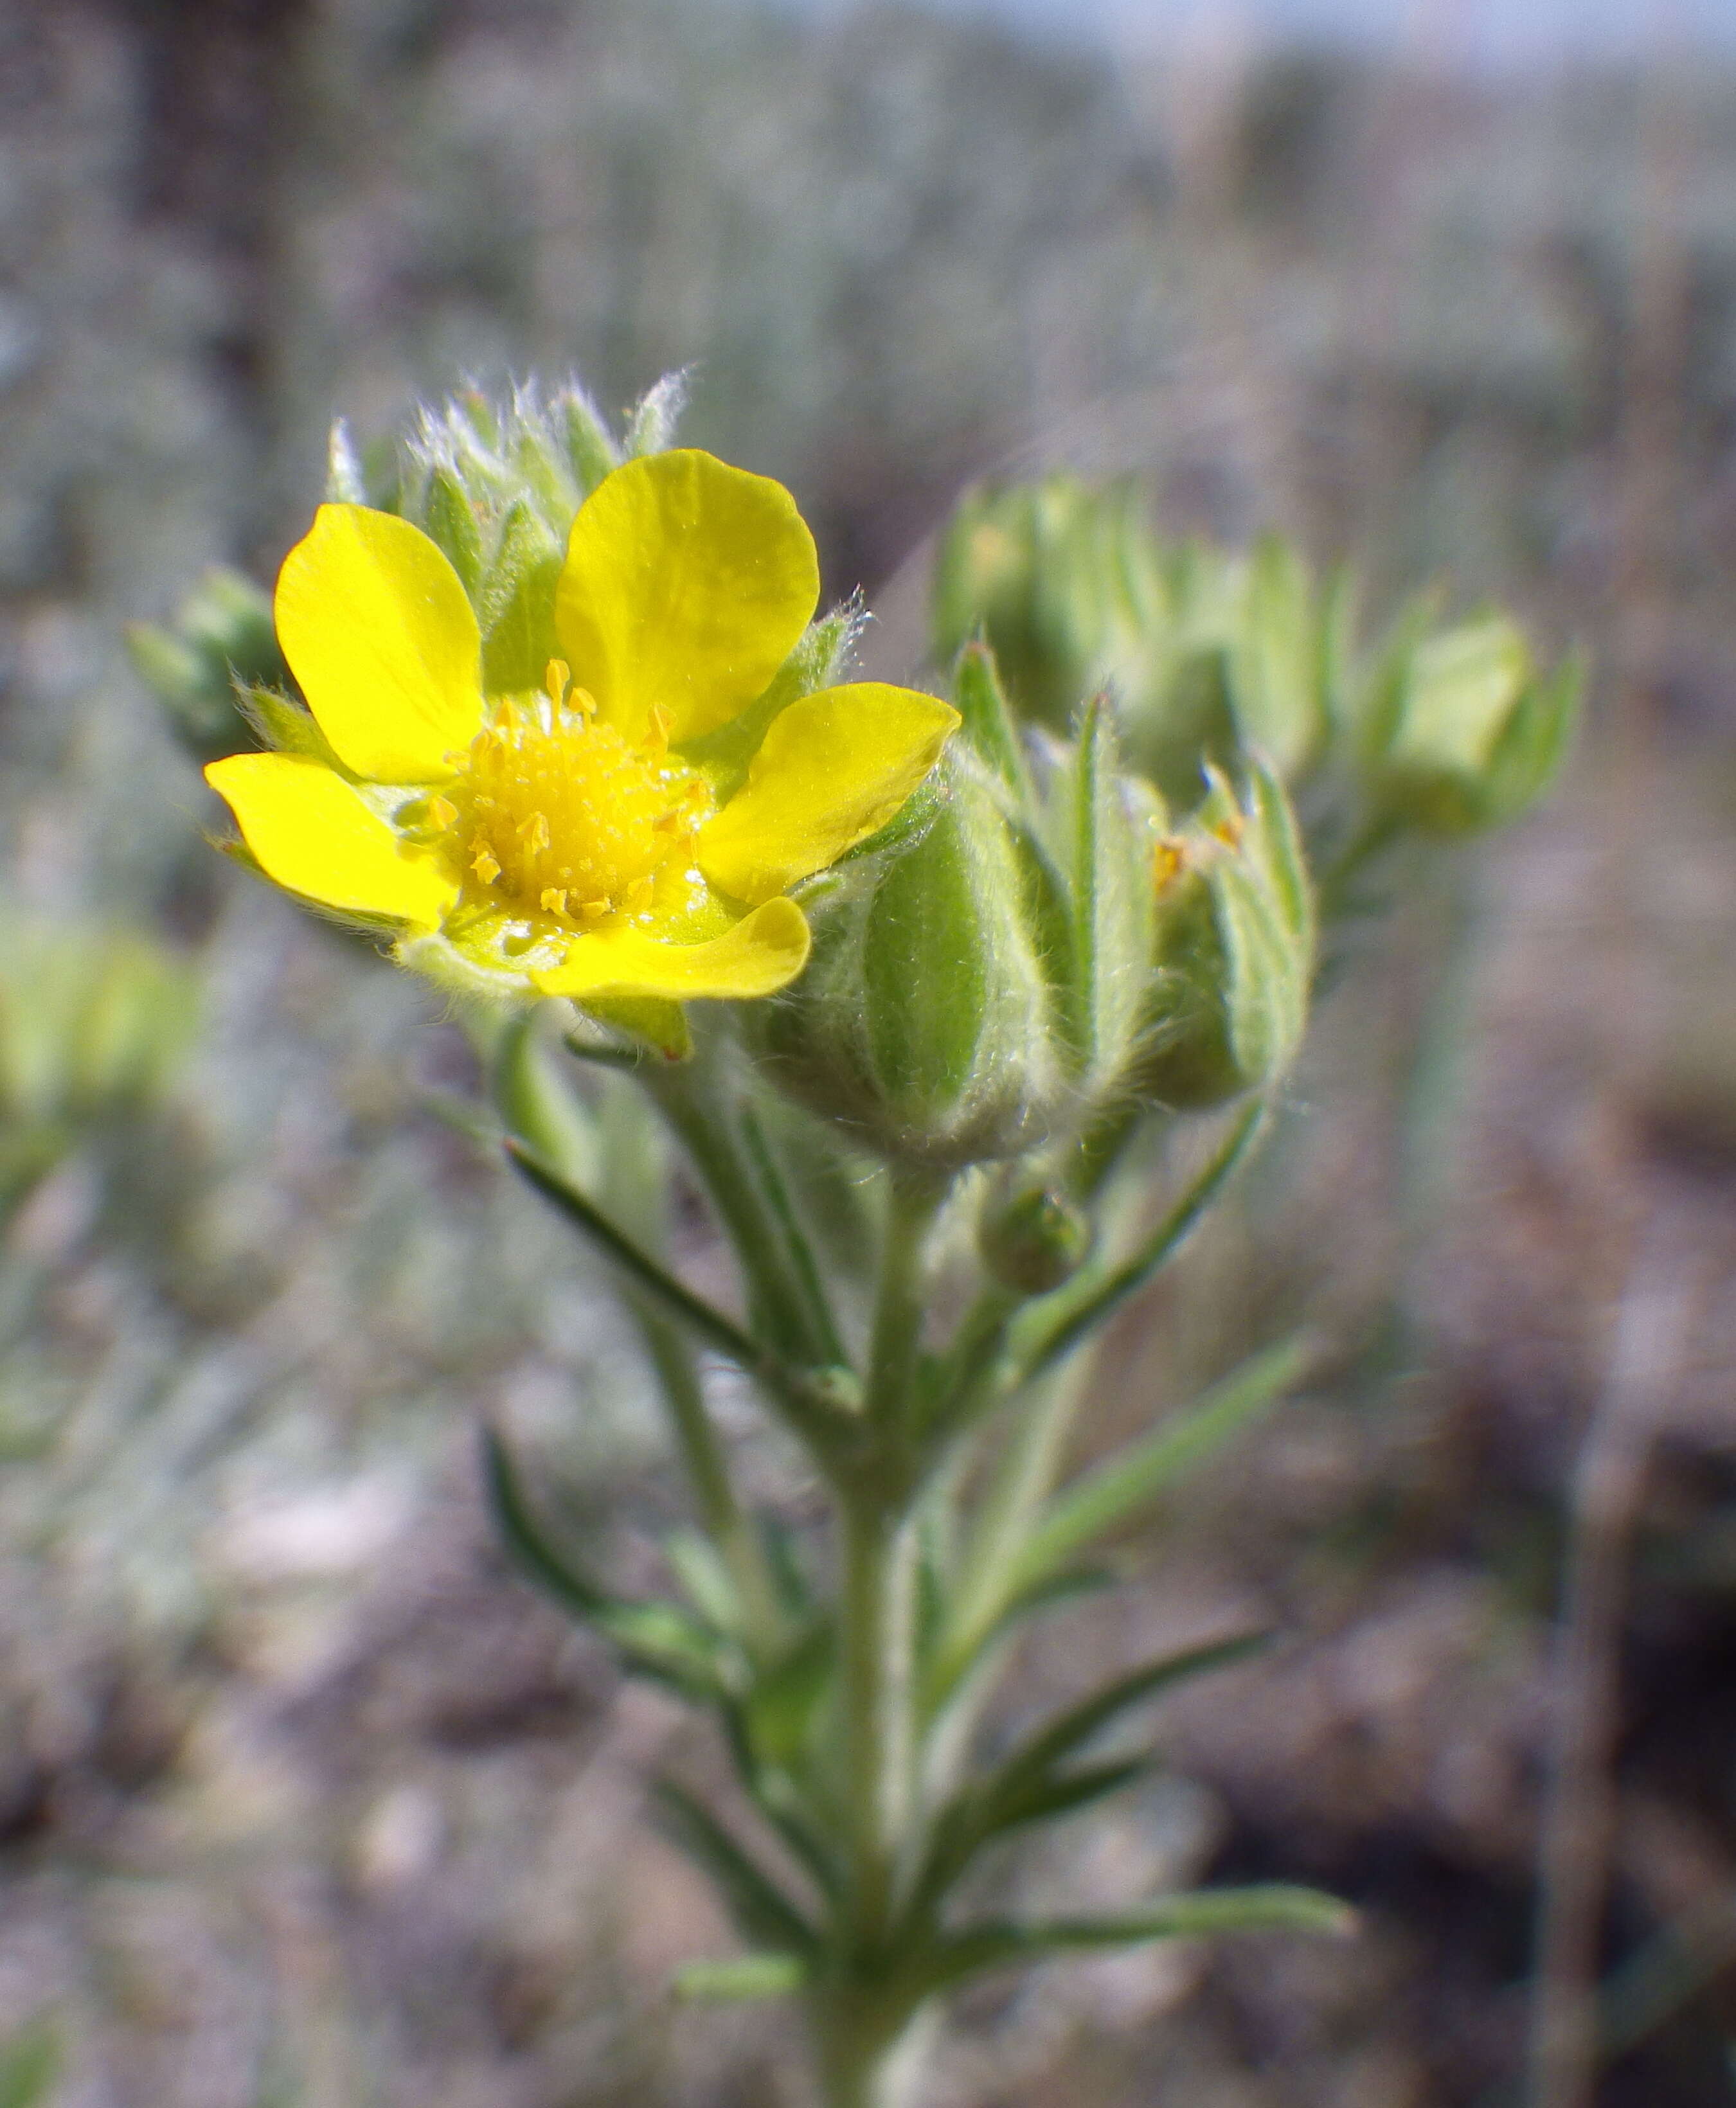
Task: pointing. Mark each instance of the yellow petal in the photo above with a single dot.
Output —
(379, 631)
(686, 586)
(312, 834)
(832, 769)
(757, 957)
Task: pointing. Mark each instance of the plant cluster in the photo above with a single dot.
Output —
(960, 1010)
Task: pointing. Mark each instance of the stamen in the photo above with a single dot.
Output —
(442, 813)
(557, 679)
(484, 863)
(656, 742)
(554, 900)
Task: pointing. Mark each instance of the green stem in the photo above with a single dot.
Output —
(894, 1345)
(877, 1618)
(707, 1467)
(782, 1283)
(869, 2057)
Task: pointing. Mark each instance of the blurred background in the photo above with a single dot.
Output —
(303, 1800)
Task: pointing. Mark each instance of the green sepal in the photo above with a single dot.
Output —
(1115, 1492)
(346, 481)
(449, 520)
(652, 425)
(654, 1640)
(591, 452)
(818, 658)
(762, 1913)
(737, 1982)
(1110, 830)
(989, 726)
(516, 601)
(284, 727)
(650, 1023)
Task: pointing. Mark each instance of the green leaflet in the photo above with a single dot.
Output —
(654, 1640)
(735, 1983)
(1117, 1490)
(1029, 1786)
(1205, 1914)
(516, 602)
(763, 1914)
(981, 1815)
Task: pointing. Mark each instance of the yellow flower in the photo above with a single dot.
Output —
(631, 830)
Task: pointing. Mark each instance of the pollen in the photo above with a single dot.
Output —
(554, 815)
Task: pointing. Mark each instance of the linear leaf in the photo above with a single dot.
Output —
(1117, 1490)
(656, 1640)
(763, 1914)
(1070, 1730)
(1205, 1914)
(1056, 1326)
(732, 1983)
(1028, 1786)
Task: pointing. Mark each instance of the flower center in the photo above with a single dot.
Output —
(553, 813)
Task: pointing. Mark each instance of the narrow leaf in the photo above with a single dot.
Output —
(734, 1982)
(1061, 1322)
(1117, 1491)
(763, 1914)
(1072, 1729)
(654, 1640)
(1205, 1914)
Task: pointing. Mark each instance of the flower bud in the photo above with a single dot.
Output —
(1060, 578)
(923, 1021)
(1210, 654)
(497, 485)
(222, 641)
(1033, 1240)
(1461, 732)
(1235, 948)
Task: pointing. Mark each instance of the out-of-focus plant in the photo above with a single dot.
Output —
(93, 1020)
(1435, 731)
(932, 997)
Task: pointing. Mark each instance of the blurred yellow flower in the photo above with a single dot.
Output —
(632, 829)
